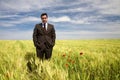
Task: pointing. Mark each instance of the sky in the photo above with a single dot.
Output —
(72, 19)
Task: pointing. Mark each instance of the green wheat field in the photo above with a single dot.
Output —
(71, 60)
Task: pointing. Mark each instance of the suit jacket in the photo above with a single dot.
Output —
(44, 39)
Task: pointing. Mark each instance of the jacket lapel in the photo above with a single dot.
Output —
(42, 29)
(48, 28)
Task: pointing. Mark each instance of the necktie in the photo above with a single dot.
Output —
(44, 26)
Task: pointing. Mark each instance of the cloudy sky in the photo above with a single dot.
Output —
(73, 19)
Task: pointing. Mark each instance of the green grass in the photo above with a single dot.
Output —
(71, 60)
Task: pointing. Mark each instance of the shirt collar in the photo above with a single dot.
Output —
(45, 24)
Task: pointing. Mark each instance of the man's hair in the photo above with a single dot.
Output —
(44, 14)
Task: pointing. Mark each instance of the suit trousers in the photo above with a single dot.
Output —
(47, 53)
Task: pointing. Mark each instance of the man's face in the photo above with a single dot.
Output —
(44, 18)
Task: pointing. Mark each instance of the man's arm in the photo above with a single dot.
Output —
(35, 36)
(53, 36)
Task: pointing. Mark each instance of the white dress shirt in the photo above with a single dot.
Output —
(46, 25)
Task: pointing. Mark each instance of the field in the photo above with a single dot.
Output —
(71, 60)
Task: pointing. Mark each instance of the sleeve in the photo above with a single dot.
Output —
(53, 36)
(35, 36)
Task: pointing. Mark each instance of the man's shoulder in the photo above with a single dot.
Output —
(50, 24)
(39, 24)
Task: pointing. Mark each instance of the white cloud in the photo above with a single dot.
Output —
(15, 34)
(84, 20)
(28, 19)
(80, 9)
(6, 24)
(35, 19)
(19, 21)
(102, 6)
(8, 16)
(25, 5)
(60, 19)
(91, 32)
(82, 34)
(68, 19)
(112, 27)
(87, 35)
(104, 31)
(107, 6)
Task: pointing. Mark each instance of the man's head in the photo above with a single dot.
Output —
(44, 17)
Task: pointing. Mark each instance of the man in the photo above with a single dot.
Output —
(44, 38)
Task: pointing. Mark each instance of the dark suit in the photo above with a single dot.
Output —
(44, 40)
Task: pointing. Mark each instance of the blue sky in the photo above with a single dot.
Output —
(73, 19)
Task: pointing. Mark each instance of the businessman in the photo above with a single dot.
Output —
(44, 38)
